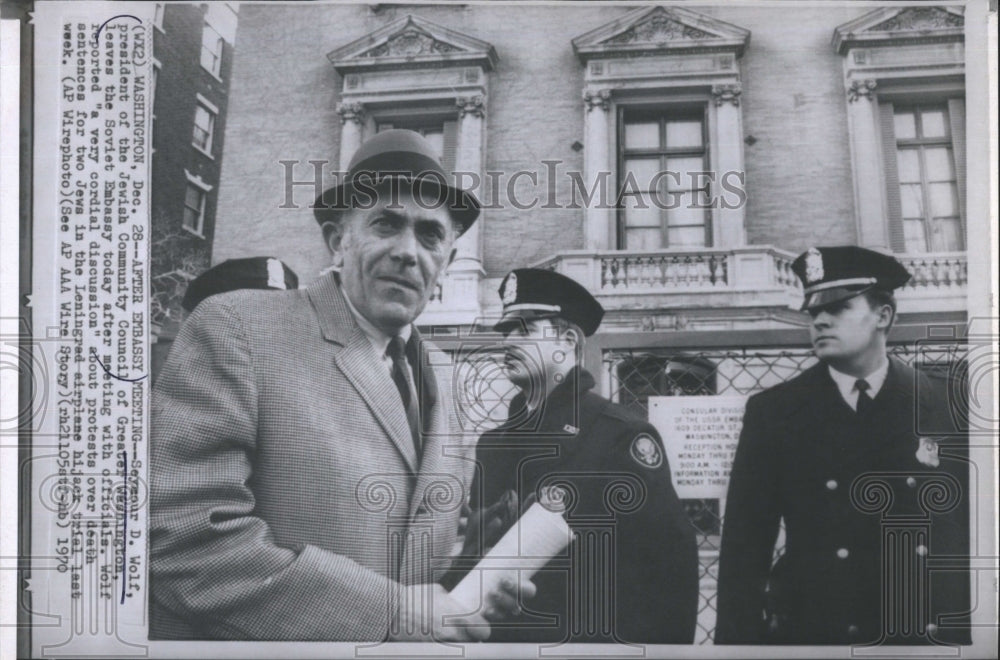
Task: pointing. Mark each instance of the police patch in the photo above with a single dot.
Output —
(646, 451)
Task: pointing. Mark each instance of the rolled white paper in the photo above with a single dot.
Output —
(538, 536)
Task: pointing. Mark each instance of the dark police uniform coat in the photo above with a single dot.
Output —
(863, 507)
(612, 465)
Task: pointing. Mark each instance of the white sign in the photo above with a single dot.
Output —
(699, 434)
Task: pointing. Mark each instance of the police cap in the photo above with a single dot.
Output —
(833, 274)
(247, 273)
(531, 293)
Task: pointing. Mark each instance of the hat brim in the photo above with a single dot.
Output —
(463, 206)
(519, 317)
(826, 297)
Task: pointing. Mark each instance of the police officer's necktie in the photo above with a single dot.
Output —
(404, 383)
(864, 400)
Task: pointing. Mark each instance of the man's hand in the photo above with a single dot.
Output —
(505, 603)
(427, 613)
(484, 527)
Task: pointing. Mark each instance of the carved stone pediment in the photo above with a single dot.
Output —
(658, 31)
(890, 26)
(412, 42)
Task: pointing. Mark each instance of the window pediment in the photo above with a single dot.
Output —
(412, 42)
(659, 31)
(891, 26)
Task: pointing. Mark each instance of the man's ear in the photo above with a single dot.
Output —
(885, 315)
(572, 336)
(333, 236)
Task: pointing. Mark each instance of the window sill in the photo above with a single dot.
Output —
(193, 232)
(212, 73)
(206, 153)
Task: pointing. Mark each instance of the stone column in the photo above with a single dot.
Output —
(598, 214)
(352, 119)
(730, 222)
(869, 179)
(469, 158)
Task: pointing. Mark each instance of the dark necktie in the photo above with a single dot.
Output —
(864, 400)
(404, 383)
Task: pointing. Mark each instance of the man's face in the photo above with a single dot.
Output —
(534, 352)
(846, 330)
(391, 256)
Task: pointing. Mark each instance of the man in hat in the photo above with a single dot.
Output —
(307, 471)
(631, 572)
(859, 456)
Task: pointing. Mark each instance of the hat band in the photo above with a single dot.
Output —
(532, 306)
(854, 281)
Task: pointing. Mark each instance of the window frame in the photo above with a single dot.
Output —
(213, 114)
(216, 68)
(195, 183)
(663, 112)
(952, 98)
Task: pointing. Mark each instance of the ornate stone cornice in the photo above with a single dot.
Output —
(893, 26)
(597, 99)
(727, 94)
(471, 105)
(351, 112)
(861, 89)
(408, 43)
(661, 31)
(919, 18)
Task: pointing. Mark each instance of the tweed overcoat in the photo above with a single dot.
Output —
(631, 573)
(287, 498)
(876, 534)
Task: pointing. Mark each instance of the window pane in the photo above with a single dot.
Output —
(684, 133)
(683, 166)
(904, 124)
(686, 236)
(642, 135)
(636, 215)
(940, 166)
(911, 198)
(913, 233)
(943, 199)
(933, 123)
(908, 163)
(946, 235)
(644, 171)
(690, 209)
(643, 239)
(192, 198)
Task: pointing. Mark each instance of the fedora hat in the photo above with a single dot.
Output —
(396, 154)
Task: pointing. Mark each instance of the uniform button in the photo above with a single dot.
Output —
(853, 630)
(843, 553)
(922, 550)
(911, 482)
(931, 628)
(831, 484)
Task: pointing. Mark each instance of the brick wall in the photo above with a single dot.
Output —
(284, 95)
(181, 78)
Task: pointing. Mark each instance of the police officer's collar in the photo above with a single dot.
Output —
(578, 380)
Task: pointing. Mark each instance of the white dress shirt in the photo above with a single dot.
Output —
(379, 340)
(847, 385)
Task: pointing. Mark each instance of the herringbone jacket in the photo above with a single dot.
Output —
(287, 501)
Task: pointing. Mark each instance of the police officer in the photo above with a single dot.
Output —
(860, 458)
(243, 273)
(631, 573)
